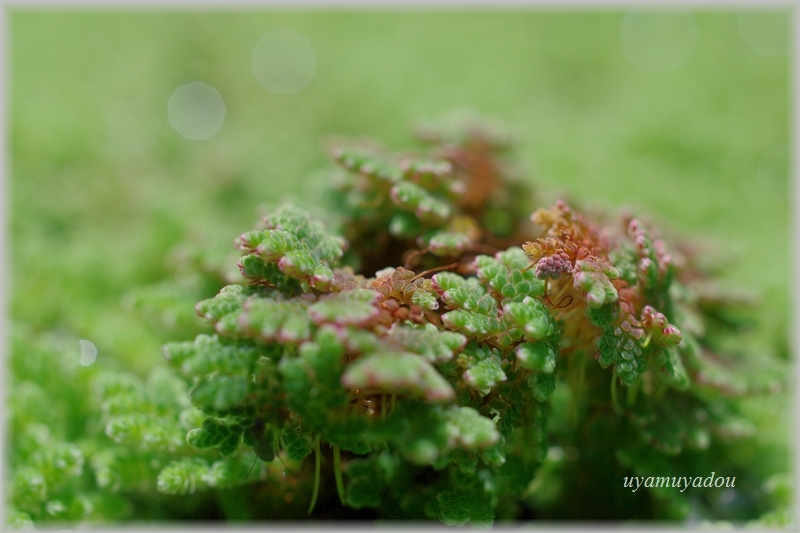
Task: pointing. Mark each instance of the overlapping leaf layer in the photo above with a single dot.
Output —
(425, 381)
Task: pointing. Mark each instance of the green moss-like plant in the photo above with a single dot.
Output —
(449, 351)
(417, 356)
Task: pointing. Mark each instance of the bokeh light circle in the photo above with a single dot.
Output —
(283, 61)
(196, 111)
(88, 352)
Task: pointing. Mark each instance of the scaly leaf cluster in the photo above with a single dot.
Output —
(449, 198)
(449, 369)
(492, 376)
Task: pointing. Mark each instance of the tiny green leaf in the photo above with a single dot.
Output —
(220, 392)
(184, 476)
(461, 506)
(538, 356)
(468, 429)
(356, 307)
(398, 373)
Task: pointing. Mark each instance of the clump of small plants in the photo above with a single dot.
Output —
(449, 350)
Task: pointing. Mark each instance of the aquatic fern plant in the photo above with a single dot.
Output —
(448, 349)
(415, 350)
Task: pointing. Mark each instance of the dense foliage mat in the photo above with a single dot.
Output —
(448, 350)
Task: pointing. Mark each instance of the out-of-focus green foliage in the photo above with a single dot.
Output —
(89, 447)
(462, 395)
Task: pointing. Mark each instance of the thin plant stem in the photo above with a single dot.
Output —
(561, 291)
(546, 286)
(432, 270)
(578, 392)
(317, 468)
(413, 255)
(647, 340)
(575, 310)
(251, 468)
(614, 393)
(337, 471)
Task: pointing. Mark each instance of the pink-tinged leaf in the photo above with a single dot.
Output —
(357, 307)
(398, 373)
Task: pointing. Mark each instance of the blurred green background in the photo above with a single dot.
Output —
(683, 115)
